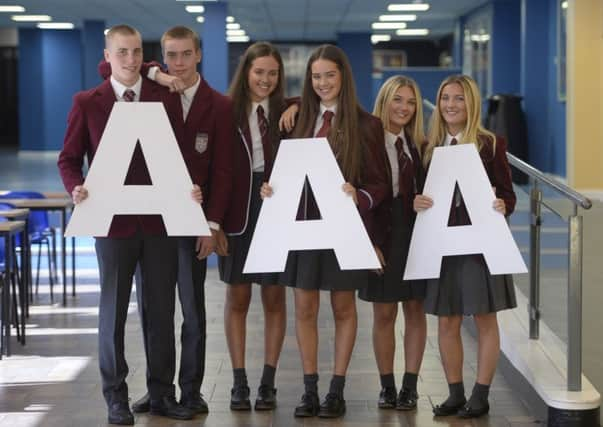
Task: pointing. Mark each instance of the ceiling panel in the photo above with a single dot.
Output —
(275, 20)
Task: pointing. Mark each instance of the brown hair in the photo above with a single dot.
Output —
(179, 33)
(123, 30)
(474, 132)
(239, 90)
(384, 98)
(344, 135)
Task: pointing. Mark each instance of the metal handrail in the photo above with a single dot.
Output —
(574, 280)
(564, 190)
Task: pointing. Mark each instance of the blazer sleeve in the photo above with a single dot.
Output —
(500, 176)
(75, 146)
(374, 188)
(221, 165)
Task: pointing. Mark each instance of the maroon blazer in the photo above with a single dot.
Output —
(498, 171)
(86, 124)
(237, 214)
(375, 183)
(205, 140)
(206, 143)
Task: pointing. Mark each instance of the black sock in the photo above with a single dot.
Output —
(409, 381)
(388, 381)
(337, 384)
(457, 394)
(479, 396)
(240, 377)
(268, 376)
(311, 383)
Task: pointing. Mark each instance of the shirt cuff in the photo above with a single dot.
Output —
(213, 225)
(152, 73)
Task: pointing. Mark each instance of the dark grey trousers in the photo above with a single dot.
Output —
(191, 292)
(117, 260)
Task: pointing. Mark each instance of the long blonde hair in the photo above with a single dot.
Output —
(474, 132)
(344, 135)
(384, 99)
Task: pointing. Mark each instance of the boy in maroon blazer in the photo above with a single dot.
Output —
(205, 133)
(132, 239)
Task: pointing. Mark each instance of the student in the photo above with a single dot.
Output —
(399, 106)
(465, 286)
(132, 239)
(204, 130)
(257, 93)
(329, 108)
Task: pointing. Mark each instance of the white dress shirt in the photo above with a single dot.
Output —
(392, 155)
(119, 89)
(319, 119)
(257, 156)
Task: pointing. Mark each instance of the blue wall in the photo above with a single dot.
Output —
(214, 62)
(50, 70)
(359, 50)
(506, 30)
(93, 43)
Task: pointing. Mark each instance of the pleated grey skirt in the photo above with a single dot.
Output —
(390, 287)
(231, 266)
(466, 287)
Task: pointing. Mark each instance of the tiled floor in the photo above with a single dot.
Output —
(54, 379)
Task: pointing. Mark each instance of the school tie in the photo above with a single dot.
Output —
(453, 141)
(263, 127)
(327, 116)
(404, 171)
(129, 95)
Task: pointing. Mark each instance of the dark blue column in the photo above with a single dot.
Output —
(505, 39)
(215, 47)
(535, 77)
(93, 43)
(457, 43)
(359, 50)
(31, 93)
(50, 73)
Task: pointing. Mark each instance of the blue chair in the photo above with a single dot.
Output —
(40, 233)
(14, 278)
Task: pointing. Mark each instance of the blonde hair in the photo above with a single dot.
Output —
(384, 99)
(474, 132)
(181, 33)
(123, 30)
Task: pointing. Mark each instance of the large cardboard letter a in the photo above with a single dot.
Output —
(169, 196)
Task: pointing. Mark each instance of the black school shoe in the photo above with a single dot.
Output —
(332, 407)
(446, 409)
(407, 400)
(119, 413)
(387, 398)
(309, 405)
(168, 407)
(266, 399)
(195, 403)
(239, 398)
(469, 412)
(142, 405)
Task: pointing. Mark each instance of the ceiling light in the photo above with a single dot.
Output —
(195, 9)
(200, 19)
(237, 39)
(233, 26)
(235, 32)
(480, 37)
(56, 26)
(413, 32)
(564, 5)
(398, 18)
(106, 31)
(412, 7)
(376, 38)
(31, 18)
(15, 9)
(388, 25)
(230, 19)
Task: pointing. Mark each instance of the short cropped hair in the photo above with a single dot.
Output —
(121, 29)
(181, 32)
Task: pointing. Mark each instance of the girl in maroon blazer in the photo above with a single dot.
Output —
(257, 93)
(465, 286)
(329, 108)
(399, 106)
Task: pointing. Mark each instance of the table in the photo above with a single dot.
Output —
(60, 205)
(23, 215)
(8, 230)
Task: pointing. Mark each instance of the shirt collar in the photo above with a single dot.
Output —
(458, 136)
(333, 109)
(265, 105)
(190, 92)
(391, 138)
(119, 88)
